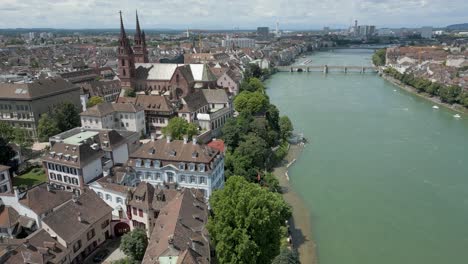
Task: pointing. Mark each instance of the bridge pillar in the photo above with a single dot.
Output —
(345, 69)
(291, 69)
(325, 69)
(363, 70)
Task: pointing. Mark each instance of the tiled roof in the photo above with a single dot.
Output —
(8, 216)
(72, 155)
(180, 227)
(194, 101)
(88, 206)
(157, 103)
(40, 200)
(173, 152)
(155, 71)
(104, 109)
(37, 89)
(216, 96)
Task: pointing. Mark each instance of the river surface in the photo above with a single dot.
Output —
(385, 176)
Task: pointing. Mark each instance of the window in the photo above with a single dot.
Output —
(105, 224)
(182, 178)
(59, 177)
(108, 197)
(192, 179)
(134, 211)
(100, 194)
(119, 200)
(77, 246)
(202, 180)
(52, 176)
(140, 212)
(158, 176)
(170, 176)
(66, 179)
(181, 166)
(90, 234)
(192, 167)
(149, 176)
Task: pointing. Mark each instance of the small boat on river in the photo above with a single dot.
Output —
(457, 116)
(435, 107)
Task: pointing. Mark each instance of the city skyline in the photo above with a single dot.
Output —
(209, 14)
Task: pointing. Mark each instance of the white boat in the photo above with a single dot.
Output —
(435, 107)
(457, 116)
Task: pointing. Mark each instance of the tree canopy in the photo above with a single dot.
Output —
(134, 244)
(286, 127)
(246, 222)
(130, 93)
(178, 127)
(67, 116)
(379, 57)
(6, 152)
(95, 100)
(251, 102)
(286, 256)
(47, 127)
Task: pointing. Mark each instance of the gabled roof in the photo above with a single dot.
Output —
(155, 71)
(216, 96)
(159, 103)
(88, 206)
(37, 89)
(194, 101)
(202, 73)
(41, 200)
(104, 109)
(72, 155)
(181, 226)
(8, 216)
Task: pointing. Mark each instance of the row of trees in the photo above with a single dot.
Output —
(450, 94)
(249, 214)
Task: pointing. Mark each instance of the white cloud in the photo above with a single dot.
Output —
(229, 13)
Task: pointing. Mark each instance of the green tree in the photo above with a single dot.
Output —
(67, 116)
(6, 131)
(251, 102)
(134, 244)
(46, 128)
(24, 142)
(286, 127)
(6, 152)
(124, 261)
(178, 127)
(449, 94)
(379, 57)
(287, 256)
(246, 222)
(130, 93)
(231, 133)
(256, 85)
(251, 157)
(255, 70)
(94, 101)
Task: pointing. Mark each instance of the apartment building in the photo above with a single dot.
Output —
(22, 104)
(5, 179)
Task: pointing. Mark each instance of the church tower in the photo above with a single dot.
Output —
(139, 47)
(126, 58)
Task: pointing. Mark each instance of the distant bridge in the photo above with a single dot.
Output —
(327, 68)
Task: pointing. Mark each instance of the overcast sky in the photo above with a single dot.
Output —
(229, 14)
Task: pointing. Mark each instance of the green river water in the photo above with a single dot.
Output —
(385, 176)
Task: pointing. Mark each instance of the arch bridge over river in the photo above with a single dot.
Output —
(328, 68)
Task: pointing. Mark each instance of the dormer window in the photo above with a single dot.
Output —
(52, 154)
(157, 163)
(151, 151)
(192, 166)
(201, 167)
(181, 166)
(67, 157)
(138, 163)
(59, 155)
(172, 153)
(194, 155)
(147, 163)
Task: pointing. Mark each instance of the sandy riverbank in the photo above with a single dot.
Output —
(301, 229)
(435, 100)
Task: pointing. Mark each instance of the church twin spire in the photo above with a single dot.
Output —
(139, 49)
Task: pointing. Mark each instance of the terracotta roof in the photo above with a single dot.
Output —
(217, 144)
(8, 216)
(40, 200)
(157, 103)
(181, 226)
(174, 152)
(88, 206)
(37, 89)
(39, 247)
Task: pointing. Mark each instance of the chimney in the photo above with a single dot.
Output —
(75, 198)
(185, 139)
(152, 137)
(79, 218)
(48, 187)
(194, 140)
(168, 138)
(26, 243)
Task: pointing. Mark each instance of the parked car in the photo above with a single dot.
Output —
(101, 255)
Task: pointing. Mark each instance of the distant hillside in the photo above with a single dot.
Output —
(463, 26)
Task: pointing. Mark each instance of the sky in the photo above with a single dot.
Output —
(231, 14)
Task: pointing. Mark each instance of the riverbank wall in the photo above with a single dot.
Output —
(435, 100)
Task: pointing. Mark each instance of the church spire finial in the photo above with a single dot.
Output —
(138, 30)
(122, 29)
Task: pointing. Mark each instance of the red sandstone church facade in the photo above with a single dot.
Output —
(176, 81)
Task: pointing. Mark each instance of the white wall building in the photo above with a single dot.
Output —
(115, 116)
(5, 179)
(187, 164)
